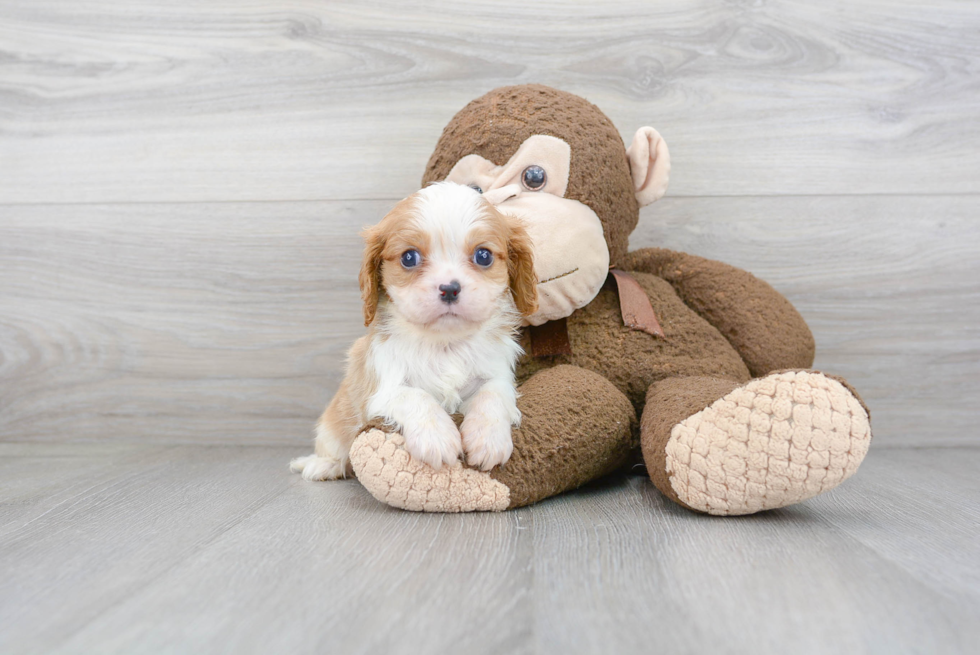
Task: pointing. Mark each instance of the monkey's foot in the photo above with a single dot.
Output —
(772, 442)
(575, 426)
(394, 477)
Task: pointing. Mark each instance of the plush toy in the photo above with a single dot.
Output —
(702, 365)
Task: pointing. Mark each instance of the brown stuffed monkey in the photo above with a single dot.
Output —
(701, 364)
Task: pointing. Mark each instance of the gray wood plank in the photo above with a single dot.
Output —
(227, 322)
(32, 485)
(186, 323)
(220, 549)
(317, 567)
(90, 552)
(622, 570)
(919, 511)
(109, 102)
(329, 569)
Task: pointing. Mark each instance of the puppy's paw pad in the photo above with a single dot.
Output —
(435, 441)
(486, 440)
(297, 464)
(318, 468)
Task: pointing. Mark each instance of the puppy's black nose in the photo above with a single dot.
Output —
(449, 293)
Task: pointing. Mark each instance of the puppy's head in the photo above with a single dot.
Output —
(445, 256)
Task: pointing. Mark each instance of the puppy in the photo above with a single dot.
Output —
(445, 281)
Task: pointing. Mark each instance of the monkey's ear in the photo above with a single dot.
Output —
(520, 269)
(649, 165)
(370, 275)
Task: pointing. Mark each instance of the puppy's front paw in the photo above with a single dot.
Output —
(434, 439)
(486, 439)
(318, 468)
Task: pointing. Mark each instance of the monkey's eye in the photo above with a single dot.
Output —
(533, 177)
(476, 188)
(411, 258)
(482, 257)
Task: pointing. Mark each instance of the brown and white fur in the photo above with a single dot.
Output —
(425, 356)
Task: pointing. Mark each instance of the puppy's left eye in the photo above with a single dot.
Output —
(482, 257)
(411, 258)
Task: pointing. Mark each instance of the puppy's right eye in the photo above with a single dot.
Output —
(411, 258)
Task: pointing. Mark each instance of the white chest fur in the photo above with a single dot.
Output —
(449, 371)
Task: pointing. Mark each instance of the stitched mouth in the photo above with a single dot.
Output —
(558, 277)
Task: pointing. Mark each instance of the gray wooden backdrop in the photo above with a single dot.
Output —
(181, 184)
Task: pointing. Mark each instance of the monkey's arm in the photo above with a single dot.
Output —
(761, 324)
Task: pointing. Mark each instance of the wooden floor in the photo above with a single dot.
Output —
(151, 549)
(181, 186)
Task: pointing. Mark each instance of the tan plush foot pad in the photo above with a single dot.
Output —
(774, 442)
(391, 475)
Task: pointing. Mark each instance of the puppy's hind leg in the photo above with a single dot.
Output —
(335, 431)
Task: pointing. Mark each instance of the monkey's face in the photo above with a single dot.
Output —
(566, 172)
(571, 259)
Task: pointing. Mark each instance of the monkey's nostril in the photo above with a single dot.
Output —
(449, 293)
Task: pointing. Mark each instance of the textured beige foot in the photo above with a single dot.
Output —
(391, 475)
(776, 441)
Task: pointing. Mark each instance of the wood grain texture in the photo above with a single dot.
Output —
(188, 322)
(874, 567)
(181, 185)
(220, 549)
(228, 322)
(301, 567)
(183, 101)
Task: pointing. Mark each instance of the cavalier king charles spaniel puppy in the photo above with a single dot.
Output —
(446, 279)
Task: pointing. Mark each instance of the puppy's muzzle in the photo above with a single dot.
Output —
(449, 293)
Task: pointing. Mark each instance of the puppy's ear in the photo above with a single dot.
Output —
(520, 268)
(370, 275)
